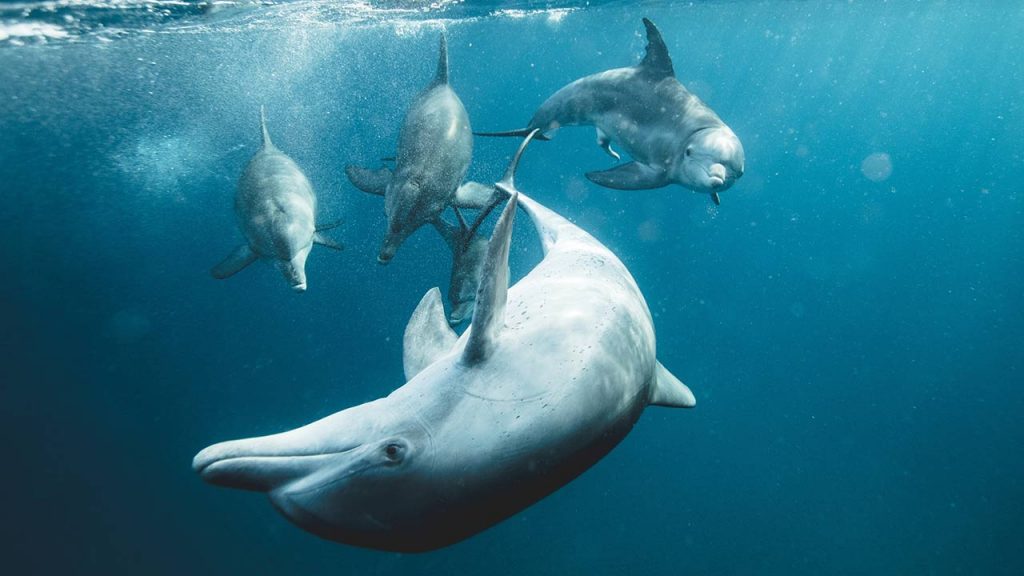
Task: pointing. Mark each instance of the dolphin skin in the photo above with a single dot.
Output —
(549, 377)
(276, 207)
(672, 136)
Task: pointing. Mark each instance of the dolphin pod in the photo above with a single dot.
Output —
(552, 372)
(550, 376)
(673, 137)
(276, 207)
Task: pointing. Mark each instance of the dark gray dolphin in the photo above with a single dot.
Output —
(276, 207)
(434, 150)
(468, 251)
(550, 376)
(672, 136)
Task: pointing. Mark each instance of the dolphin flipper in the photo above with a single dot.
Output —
(449, 232)
(323, 240)
(667, 390)
(427, 335)
(716, 198)
(606, 144)
(238, 259)
(631, 176)
(369, 181)
(475, 195)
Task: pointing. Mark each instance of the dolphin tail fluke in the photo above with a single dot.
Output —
(239, 258)
(476, 196)
(492, 294)
(369, 181)
(667, 390)
(263, 128)
(656, 61)
(427, 335)
(441, 76)
(520, 133)
(323, 240)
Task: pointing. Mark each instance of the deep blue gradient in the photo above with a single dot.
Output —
(855, 346)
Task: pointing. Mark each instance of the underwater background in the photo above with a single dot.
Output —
(851, 318)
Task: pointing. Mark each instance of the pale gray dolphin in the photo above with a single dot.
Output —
(276, 207)
(434, 150)
(672, 136)
(549, 377)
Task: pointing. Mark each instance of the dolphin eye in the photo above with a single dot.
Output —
(689, 151)
(393, 452)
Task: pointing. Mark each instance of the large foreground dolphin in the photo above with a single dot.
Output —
(550, 376)
(276, 207)
(672, 136)
(434, 150)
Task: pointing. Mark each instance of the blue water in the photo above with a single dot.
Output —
(853, 335)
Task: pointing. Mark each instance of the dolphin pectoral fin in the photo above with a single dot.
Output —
(475, 195)
(631, 176)
(238, 259)
(449, 232)
(716, 198)
(606, 144)
(369, 181)
(492, 293)
(427, 335)
(322, 240)
(656, 61)
(667, 390)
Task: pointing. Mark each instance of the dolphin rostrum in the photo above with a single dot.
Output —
(549, 377)
(672, 136)
(276, 207)
(434, 150)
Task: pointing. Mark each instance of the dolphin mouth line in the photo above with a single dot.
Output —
(201, 467)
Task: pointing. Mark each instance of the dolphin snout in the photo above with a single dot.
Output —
(716, 175)
(299, 287)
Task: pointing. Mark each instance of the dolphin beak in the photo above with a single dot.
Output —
(299, 287)
(716, 175)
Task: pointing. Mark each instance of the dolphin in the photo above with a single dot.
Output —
(672, 136)
(549, 377)
(434, 150)
(276, 206)
(468, 251)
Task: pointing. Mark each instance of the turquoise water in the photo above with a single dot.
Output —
(850, 318)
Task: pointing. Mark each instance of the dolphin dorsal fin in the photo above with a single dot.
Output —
(441, 76)
(263, 127)
(657, 61)
(427, 335)
(492, 294)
